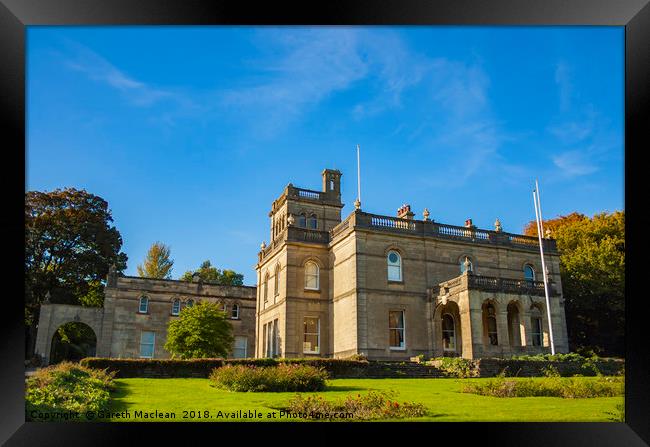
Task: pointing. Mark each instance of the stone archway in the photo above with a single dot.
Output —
(53, 316)
(73, 341)
(447, 332)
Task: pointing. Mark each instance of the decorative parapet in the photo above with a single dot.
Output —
(492, 284)
(294, 234)
(450, 232)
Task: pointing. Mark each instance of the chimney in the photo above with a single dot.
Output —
(404, 212)
(468, 223)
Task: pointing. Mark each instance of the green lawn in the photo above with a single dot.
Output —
(442, 397)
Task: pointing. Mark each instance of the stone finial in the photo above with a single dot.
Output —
(263, 245)
(468, 223)
(497, 225)
(290, 220)
(357, 204)
(426, 214)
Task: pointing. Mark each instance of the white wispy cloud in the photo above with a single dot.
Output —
(97, 68)
(565, 87)
(575, 163)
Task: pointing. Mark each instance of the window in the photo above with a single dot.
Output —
(311, 342)
(189, 303)
(147, 342)
(536, 326)
(448, 333)
(462, 264)
(234, 312)
(144, 305)
(394, 266)
(529, 273)
(396, 329)
(312, 222)
(176, 307)
(491, 322)
(302, 221)
(239, 351)
(271, 339)
(276, 281)
(311, 276)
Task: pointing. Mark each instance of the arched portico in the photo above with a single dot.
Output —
(53, 316)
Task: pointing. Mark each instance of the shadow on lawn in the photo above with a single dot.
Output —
(344, 388)
(118, 395)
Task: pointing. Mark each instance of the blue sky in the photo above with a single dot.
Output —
(190, 133)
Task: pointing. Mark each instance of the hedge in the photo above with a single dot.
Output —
(168, 368)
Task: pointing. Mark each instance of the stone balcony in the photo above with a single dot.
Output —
(493, 284)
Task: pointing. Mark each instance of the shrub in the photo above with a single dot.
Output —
(67, 387)
(279, 378)
(456, 367)
(373, 405)
(552, 386)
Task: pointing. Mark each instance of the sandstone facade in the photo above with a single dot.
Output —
(428, 301)
(124, 329)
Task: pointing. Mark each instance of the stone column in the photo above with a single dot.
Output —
(43, 339)
(528, 337)
(502, 329)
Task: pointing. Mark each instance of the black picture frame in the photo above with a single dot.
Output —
(634, 15)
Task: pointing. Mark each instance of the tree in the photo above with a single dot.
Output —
(211, 274)
(69, 246)
(592, 270)
(157, 263)
(201, 331)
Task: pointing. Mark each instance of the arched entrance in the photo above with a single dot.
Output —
(73, 341)
(448, 334)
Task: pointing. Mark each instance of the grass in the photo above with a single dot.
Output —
(442, 397)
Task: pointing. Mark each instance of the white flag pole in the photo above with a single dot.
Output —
(358, 175)
(540, 229)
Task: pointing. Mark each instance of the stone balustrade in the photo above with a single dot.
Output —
(494, 284)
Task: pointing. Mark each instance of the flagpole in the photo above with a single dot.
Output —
(540, 229)
(357, 203)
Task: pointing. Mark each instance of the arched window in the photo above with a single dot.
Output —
(189, 303)
(462, 264)
(144, 305)
(266, 287)
(491, 323)
(448, 333)
(536, 326)
(529, 273)
(312, 222)
(176, 306)
(394, 261)
(311, 276)
(302, 221)
(276, 281)
(234, 312)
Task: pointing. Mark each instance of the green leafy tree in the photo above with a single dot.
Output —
(592, 269)
(157, 263)
(70, 243)
(211, 274)
(201, 331)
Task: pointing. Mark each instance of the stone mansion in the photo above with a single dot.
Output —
(386, 287)
(391, 288)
